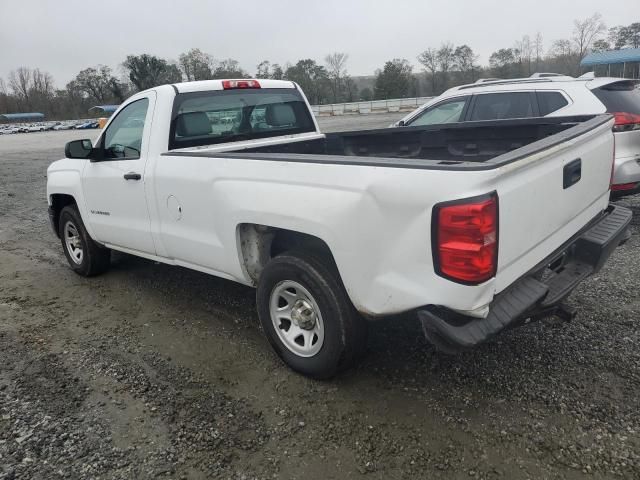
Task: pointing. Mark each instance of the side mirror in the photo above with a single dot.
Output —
(401, 123)
(78, 149)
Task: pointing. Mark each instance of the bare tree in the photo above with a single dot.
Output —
(538, 49)
(562, 48)
(350, 89)
(585, 32)
(42, 91)
(336, 69)
(563, 57)
(31, 88)
(429, 60)
(502, 62)
(4, 96)
(20, 83)
(465, 61)
(524, 50)
(41, 83)
(446, 60)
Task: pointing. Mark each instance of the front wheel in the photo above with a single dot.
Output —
(307, 315)
(85, 256)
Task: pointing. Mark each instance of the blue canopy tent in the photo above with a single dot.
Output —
(625, 62)
(102, 109)
(21, 117)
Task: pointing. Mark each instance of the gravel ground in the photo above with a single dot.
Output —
(153, 371)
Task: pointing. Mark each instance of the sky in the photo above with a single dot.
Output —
(64, 36)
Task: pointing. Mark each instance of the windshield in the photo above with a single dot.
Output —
(205, 118)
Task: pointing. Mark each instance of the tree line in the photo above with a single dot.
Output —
(31, 89)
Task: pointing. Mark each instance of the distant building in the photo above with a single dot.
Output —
(21, 117)
(624, 63)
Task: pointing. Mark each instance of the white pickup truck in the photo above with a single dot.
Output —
(474, 227)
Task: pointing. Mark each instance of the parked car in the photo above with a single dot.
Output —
(548, 95)
(474, 228)
(84, 125)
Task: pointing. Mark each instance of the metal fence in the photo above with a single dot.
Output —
(374, 106)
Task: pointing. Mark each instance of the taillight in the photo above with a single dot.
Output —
(623, 187)
(465, 239)
(234, 84)
(626, 122)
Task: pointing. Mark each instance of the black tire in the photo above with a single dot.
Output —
(95, 258)
(345, 332)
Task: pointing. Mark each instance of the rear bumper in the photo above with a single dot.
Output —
(624, 190)
(626, 173)
(538, 293)
(627, 169)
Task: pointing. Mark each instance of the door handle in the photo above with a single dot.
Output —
(571, 174)
(132, 176)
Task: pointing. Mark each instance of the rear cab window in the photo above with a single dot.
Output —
(220, 116)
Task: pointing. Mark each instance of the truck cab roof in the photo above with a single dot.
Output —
(208, 85)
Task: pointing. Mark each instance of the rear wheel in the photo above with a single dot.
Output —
(85, 256)
(307, 315)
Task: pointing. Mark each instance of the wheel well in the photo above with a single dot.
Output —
(260, 243)
(58, 202)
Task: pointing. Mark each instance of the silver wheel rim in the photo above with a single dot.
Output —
(73, 242)
(296, 318)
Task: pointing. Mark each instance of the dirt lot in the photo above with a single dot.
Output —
(155, 371)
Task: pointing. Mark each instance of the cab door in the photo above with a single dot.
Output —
(114, 185)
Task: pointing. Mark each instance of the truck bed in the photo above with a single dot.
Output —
(461, 146)
(551, 176)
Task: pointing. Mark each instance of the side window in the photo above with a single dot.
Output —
(446, 112)
(497, 106)
(549, 102)
(123, 137)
